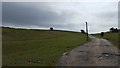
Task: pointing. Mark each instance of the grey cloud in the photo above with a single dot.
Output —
(108, 16)
(59, 15)
(27, 15)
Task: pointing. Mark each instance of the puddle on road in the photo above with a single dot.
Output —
(107, 55)
(110, 54)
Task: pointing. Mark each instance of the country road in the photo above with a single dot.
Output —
(98, 52)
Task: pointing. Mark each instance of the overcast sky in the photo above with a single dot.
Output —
(69, 16)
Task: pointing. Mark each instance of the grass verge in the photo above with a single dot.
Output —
(112, 37)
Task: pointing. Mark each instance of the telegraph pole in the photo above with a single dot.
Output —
(87, 30)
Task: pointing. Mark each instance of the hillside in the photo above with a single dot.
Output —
(112, 37)
(37, 47)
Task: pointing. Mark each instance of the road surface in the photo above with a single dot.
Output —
(98, 52)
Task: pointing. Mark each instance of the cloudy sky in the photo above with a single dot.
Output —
(69, 16)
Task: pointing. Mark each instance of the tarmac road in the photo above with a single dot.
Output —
(98, 52)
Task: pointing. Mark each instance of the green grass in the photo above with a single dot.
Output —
(112, 37)
(23, 47)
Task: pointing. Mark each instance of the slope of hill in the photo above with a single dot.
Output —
(112, 37)
(23, 47)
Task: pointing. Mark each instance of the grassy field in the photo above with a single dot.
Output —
(112, 37)
(23, 47)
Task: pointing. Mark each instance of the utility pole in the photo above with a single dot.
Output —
(87, 30)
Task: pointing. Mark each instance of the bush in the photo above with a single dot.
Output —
(113, 30)
(51, 28)
(82, 31)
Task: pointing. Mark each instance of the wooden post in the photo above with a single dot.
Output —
(87, 30)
